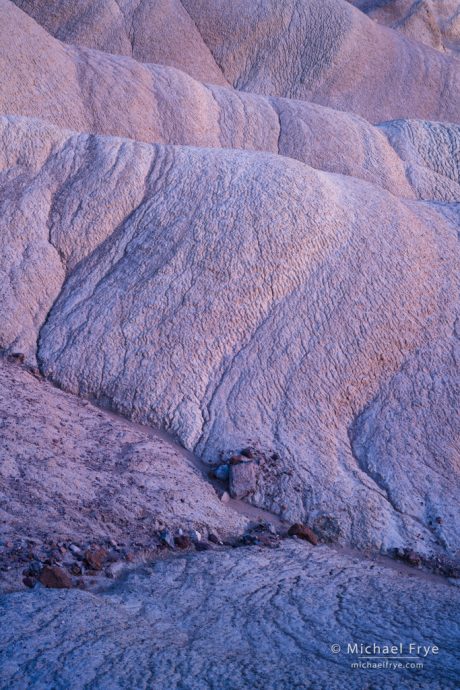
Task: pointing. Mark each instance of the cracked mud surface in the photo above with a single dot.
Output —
(245, 618)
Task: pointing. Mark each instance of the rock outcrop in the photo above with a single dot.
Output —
(431, 152)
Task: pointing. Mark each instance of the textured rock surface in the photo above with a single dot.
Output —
(201, 232)
(71, 471)
(90, 91)
(328, 52)
(265, 48)
(270, 324)
(246, 618)
(431, 151)
(198, 363)
(433, 22)
(156, 31)
(54, 185)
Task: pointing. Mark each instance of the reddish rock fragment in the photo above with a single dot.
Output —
(95, 557)
(54, 577)
(303, 532)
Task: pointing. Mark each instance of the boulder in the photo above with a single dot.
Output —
(243, 479)
(55, 577)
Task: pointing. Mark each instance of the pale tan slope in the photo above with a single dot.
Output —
(90, 91)
(70, 471)
(329, 52)
(158, 31)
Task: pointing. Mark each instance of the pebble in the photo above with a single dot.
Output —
(167, 538)
(182, 541)
(95, 557)
(202, 546)
(55, 577)
(242, 479)
(195, 536)
(303, 532)
(222, 472)
(214, 539)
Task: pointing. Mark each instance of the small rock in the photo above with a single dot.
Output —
(16, 357)
(412, 558)
(116, 568)
(73, 548)
(29, 581)
(248, 453)
(113, 556)
(95, 557)
(327, 528)
(303, 532)
(268, 540)
(222, 472)
(195, 536)
(225, 497)
(242, 479)
(76, 569)
(182, 541)
(237, 459)
(167, 538)
(33, 569)
(54, 577)
(202, 546)
(214, 539)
